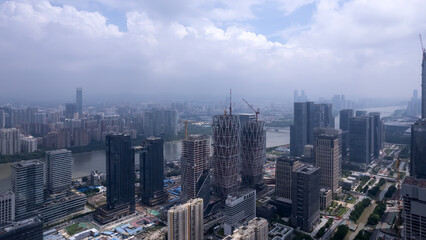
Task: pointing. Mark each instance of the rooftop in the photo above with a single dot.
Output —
(414, 181)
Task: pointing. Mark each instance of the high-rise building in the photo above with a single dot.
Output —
(283, 177)
(226, 148)
(27, 185)
(7, 207)
(120, 168)
(152, 172)
(301, 132)
(9, 141)
(157, 123)
(27, 229)
(28, 144)
(413, 193)
(79, 100)
(418, 149)
(240, 207)
(328, 158)
(305, 197)
(414, 107)
(2, 119)
(59, 163)
(323, 116)
(185, 221)
(256, 229)
(195, 156)
(70, 109)
(360, 140)
(345, 115)
(252, 152)
(377, 130)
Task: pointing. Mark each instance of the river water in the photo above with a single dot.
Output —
(84, 163)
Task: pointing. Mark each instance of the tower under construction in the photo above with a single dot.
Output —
(226, 129)
(253, 151)
(195, 173)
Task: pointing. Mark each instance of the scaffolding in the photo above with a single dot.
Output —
(253, 152)
(226, 129)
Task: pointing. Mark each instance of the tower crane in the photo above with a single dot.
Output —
(186, 126)
(257, 112)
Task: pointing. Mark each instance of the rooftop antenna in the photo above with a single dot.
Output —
(421, 42)
(230, 102)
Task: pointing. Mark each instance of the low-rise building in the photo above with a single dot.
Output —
(326, 196)
(281, 232)
(30, 228)
(256, 229)
(240, 207)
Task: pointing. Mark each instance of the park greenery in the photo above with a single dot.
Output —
(390, 192)
(363, 235)
(342, 230)
(377, 214)
(359, 208)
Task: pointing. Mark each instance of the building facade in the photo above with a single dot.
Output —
(27, 178)
(9, 141)
(185, 221)
(305, 197)
(283, 177)
(360, 140)
(418, 149)
(240, 207)
(301, 132)
(256, 229)
(413, 193)
(7, 207)
(79, 101)
(59, 175)
(27, 229)
(151, 163)
(345, 115)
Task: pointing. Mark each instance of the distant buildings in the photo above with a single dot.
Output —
(323, 116)
(28, 144)
(9, 141)
(226, 150)
(414, 107)
(253, 152)
(240, 207)
(7, 207)
(31, 228)
(59, 164)
(256, 229)
(151, 165)
(27, 185)
(300, 98)
(413, 193)
(79, 101)
(157, 123)
(305, 197)
(195, 175)
(185, 221)
(301, 132)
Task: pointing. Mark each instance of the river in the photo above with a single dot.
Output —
(84, 163)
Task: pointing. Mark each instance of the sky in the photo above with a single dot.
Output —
(193, 49)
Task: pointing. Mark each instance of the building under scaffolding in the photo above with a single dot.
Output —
(253, 152)
(195, 175)
(226, 129)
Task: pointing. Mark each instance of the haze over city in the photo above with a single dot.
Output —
(139, 50)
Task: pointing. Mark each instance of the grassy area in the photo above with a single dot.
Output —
(73, 229)
(342, 212)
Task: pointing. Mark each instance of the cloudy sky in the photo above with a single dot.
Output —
(201, 48)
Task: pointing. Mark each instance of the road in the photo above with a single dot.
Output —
(363, 220)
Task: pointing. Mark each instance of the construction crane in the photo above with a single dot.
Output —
(257, 112)
(186, 126)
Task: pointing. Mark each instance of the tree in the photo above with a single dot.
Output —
(85, 179)
(373, 219)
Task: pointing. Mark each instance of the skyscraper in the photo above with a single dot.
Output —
(9, 141)
(301, 132)
(283, 177)
(79, 100)
(377, 130)
(305, 197)
(27, 185)
(323, 116)
(360, 140)
(195, 155)
(345, 115)
(328, 157)
(253, 152)
(418, 149)
(413, 193)
(59, 163)
(120, 168)
(152, 172)
(226, 147)
(185, 221)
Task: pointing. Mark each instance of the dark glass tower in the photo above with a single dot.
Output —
(323, 116)
(424, 85)
(120, 168)
(79, 100)
(301, 132)
(152, 172)
(360, 139)
(418, 149)
(345, 114)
